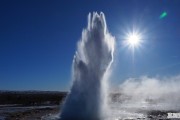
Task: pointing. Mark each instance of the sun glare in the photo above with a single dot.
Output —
(133, 39)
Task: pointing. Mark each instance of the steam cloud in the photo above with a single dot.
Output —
(87, 99)
(136, 98)
(163, 92)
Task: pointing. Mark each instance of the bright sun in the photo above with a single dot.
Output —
(133, 39)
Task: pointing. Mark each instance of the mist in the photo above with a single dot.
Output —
(152, 93)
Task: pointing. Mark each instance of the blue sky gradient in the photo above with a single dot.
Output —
(38, 40)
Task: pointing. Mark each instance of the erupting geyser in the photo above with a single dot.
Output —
(91, 64)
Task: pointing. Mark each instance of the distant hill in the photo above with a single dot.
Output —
(27, 98)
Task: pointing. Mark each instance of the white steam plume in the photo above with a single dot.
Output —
(154, 93)
(138, 98)
(94, 55)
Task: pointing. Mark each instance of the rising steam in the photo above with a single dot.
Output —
(163, 92)
(94, 55)
(136, 98)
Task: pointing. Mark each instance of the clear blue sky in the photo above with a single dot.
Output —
(38, 40)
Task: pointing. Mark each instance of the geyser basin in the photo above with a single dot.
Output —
(91, 64)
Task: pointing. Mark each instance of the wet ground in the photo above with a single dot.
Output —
(15, 112)
(27, 113)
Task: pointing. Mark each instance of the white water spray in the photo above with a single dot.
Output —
(91, 64)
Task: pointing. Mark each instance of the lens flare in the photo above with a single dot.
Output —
(163, 15)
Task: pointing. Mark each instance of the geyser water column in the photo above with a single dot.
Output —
(91, 64)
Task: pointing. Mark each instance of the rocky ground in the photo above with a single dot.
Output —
(30, 114)
(46, 113)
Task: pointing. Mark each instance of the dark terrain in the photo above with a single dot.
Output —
(29, 105)
(29, 98)
(38, 105)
